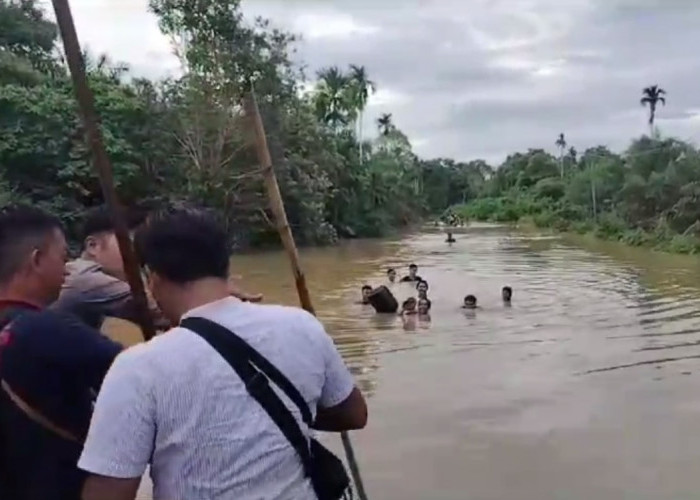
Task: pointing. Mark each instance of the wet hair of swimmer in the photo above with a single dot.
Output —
(391, 273)
(366, 290)
(507, 293)
(470, 301)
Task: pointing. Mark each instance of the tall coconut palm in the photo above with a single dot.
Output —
(362, 86)
(652, 96)
(385, 124)
(561, 144)
(332, 103)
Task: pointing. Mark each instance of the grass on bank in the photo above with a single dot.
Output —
(562, 217)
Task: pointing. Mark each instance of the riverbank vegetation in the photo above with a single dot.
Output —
(184, 137)
(647, 196)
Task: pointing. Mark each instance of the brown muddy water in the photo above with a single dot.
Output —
(586, 388)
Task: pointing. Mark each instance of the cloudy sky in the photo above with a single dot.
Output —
(473, 78)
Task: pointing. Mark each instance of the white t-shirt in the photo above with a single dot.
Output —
(175, 403)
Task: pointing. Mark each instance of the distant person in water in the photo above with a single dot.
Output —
(412, 275)
(391, 275)
(507, 294)
(366, 290)
(424, 307)
(422, 288)
(409, 306)
(450, 238)
(469, 302)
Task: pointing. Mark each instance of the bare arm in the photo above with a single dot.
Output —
(109, 488)
(349, 415)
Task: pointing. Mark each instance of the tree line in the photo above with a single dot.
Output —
(184, 138)
(648, 195)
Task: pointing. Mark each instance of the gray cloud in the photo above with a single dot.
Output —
(484, 78)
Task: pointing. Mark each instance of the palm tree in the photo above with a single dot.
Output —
(362, 86)
(384, 123)
(332, 103)
(561, 144)
(652, 96)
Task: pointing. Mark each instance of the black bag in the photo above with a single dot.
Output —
(326, 471)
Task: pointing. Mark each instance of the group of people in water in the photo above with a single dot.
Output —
(421, 304)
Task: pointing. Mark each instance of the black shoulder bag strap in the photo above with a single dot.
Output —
(254, 370)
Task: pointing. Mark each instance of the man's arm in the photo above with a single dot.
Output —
(120, 441)
(341, 406)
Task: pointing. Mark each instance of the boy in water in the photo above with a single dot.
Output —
(366, 290)
(469, 302)
(507, 294)
(424, 307)
(422, 288)
(409, 306)
(412, 275)
(391, 275)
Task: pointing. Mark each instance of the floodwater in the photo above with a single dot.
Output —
(586, 388)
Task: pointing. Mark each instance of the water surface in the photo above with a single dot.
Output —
(585, 388)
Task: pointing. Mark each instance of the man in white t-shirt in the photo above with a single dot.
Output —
(176, 404)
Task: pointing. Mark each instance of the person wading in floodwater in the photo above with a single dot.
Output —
(507, 295)
(450, 238)
(366, 290)
(391, 275)
(179, 401)
(412, 275)
(422, 288)
(50, 364)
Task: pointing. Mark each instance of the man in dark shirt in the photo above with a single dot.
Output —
(412, 275)
(51, 365)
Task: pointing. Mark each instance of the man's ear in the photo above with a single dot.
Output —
(90, 244)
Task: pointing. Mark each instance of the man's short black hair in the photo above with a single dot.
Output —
(22, 229)
(184, 245)
(423, 281)
(99, 220)
(430, 304)
(508, 289)
(413, 266)
(470, 298)
(390, 270)
(366, 287)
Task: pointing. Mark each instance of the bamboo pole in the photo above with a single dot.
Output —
(250, 106)
(101, 162)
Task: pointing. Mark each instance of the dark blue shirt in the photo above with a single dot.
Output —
(55, 364)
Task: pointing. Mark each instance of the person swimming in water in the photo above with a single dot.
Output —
(507, 294)
(422, 288)
(408, 308)
(412, 275)
(424, 305)
(366, 290)
(469, 302)
(450, 239)
(391, 275)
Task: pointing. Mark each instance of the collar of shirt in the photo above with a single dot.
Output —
(210, 308)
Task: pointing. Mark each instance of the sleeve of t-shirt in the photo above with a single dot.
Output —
(119, 443)
(338, 381)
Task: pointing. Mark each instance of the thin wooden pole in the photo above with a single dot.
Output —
(250, 106)
(101, 162)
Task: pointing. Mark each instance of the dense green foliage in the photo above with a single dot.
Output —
(650, 195)
(185, 138)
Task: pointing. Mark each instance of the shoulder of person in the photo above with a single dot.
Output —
(288, 316)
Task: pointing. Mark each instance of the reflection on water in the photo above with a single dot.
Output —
(584, 388)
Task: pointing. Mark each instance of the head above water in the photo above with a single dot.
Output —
(409, 304)
(424, 306)
(422, 288)
(470, 302)
(507, 293)
(33, 254)
(186, 255)
(391, 274)
(100, 241)
(412, 270)
(366, 290)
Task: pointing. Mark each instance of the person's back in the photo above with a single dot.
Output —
(189, 414)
